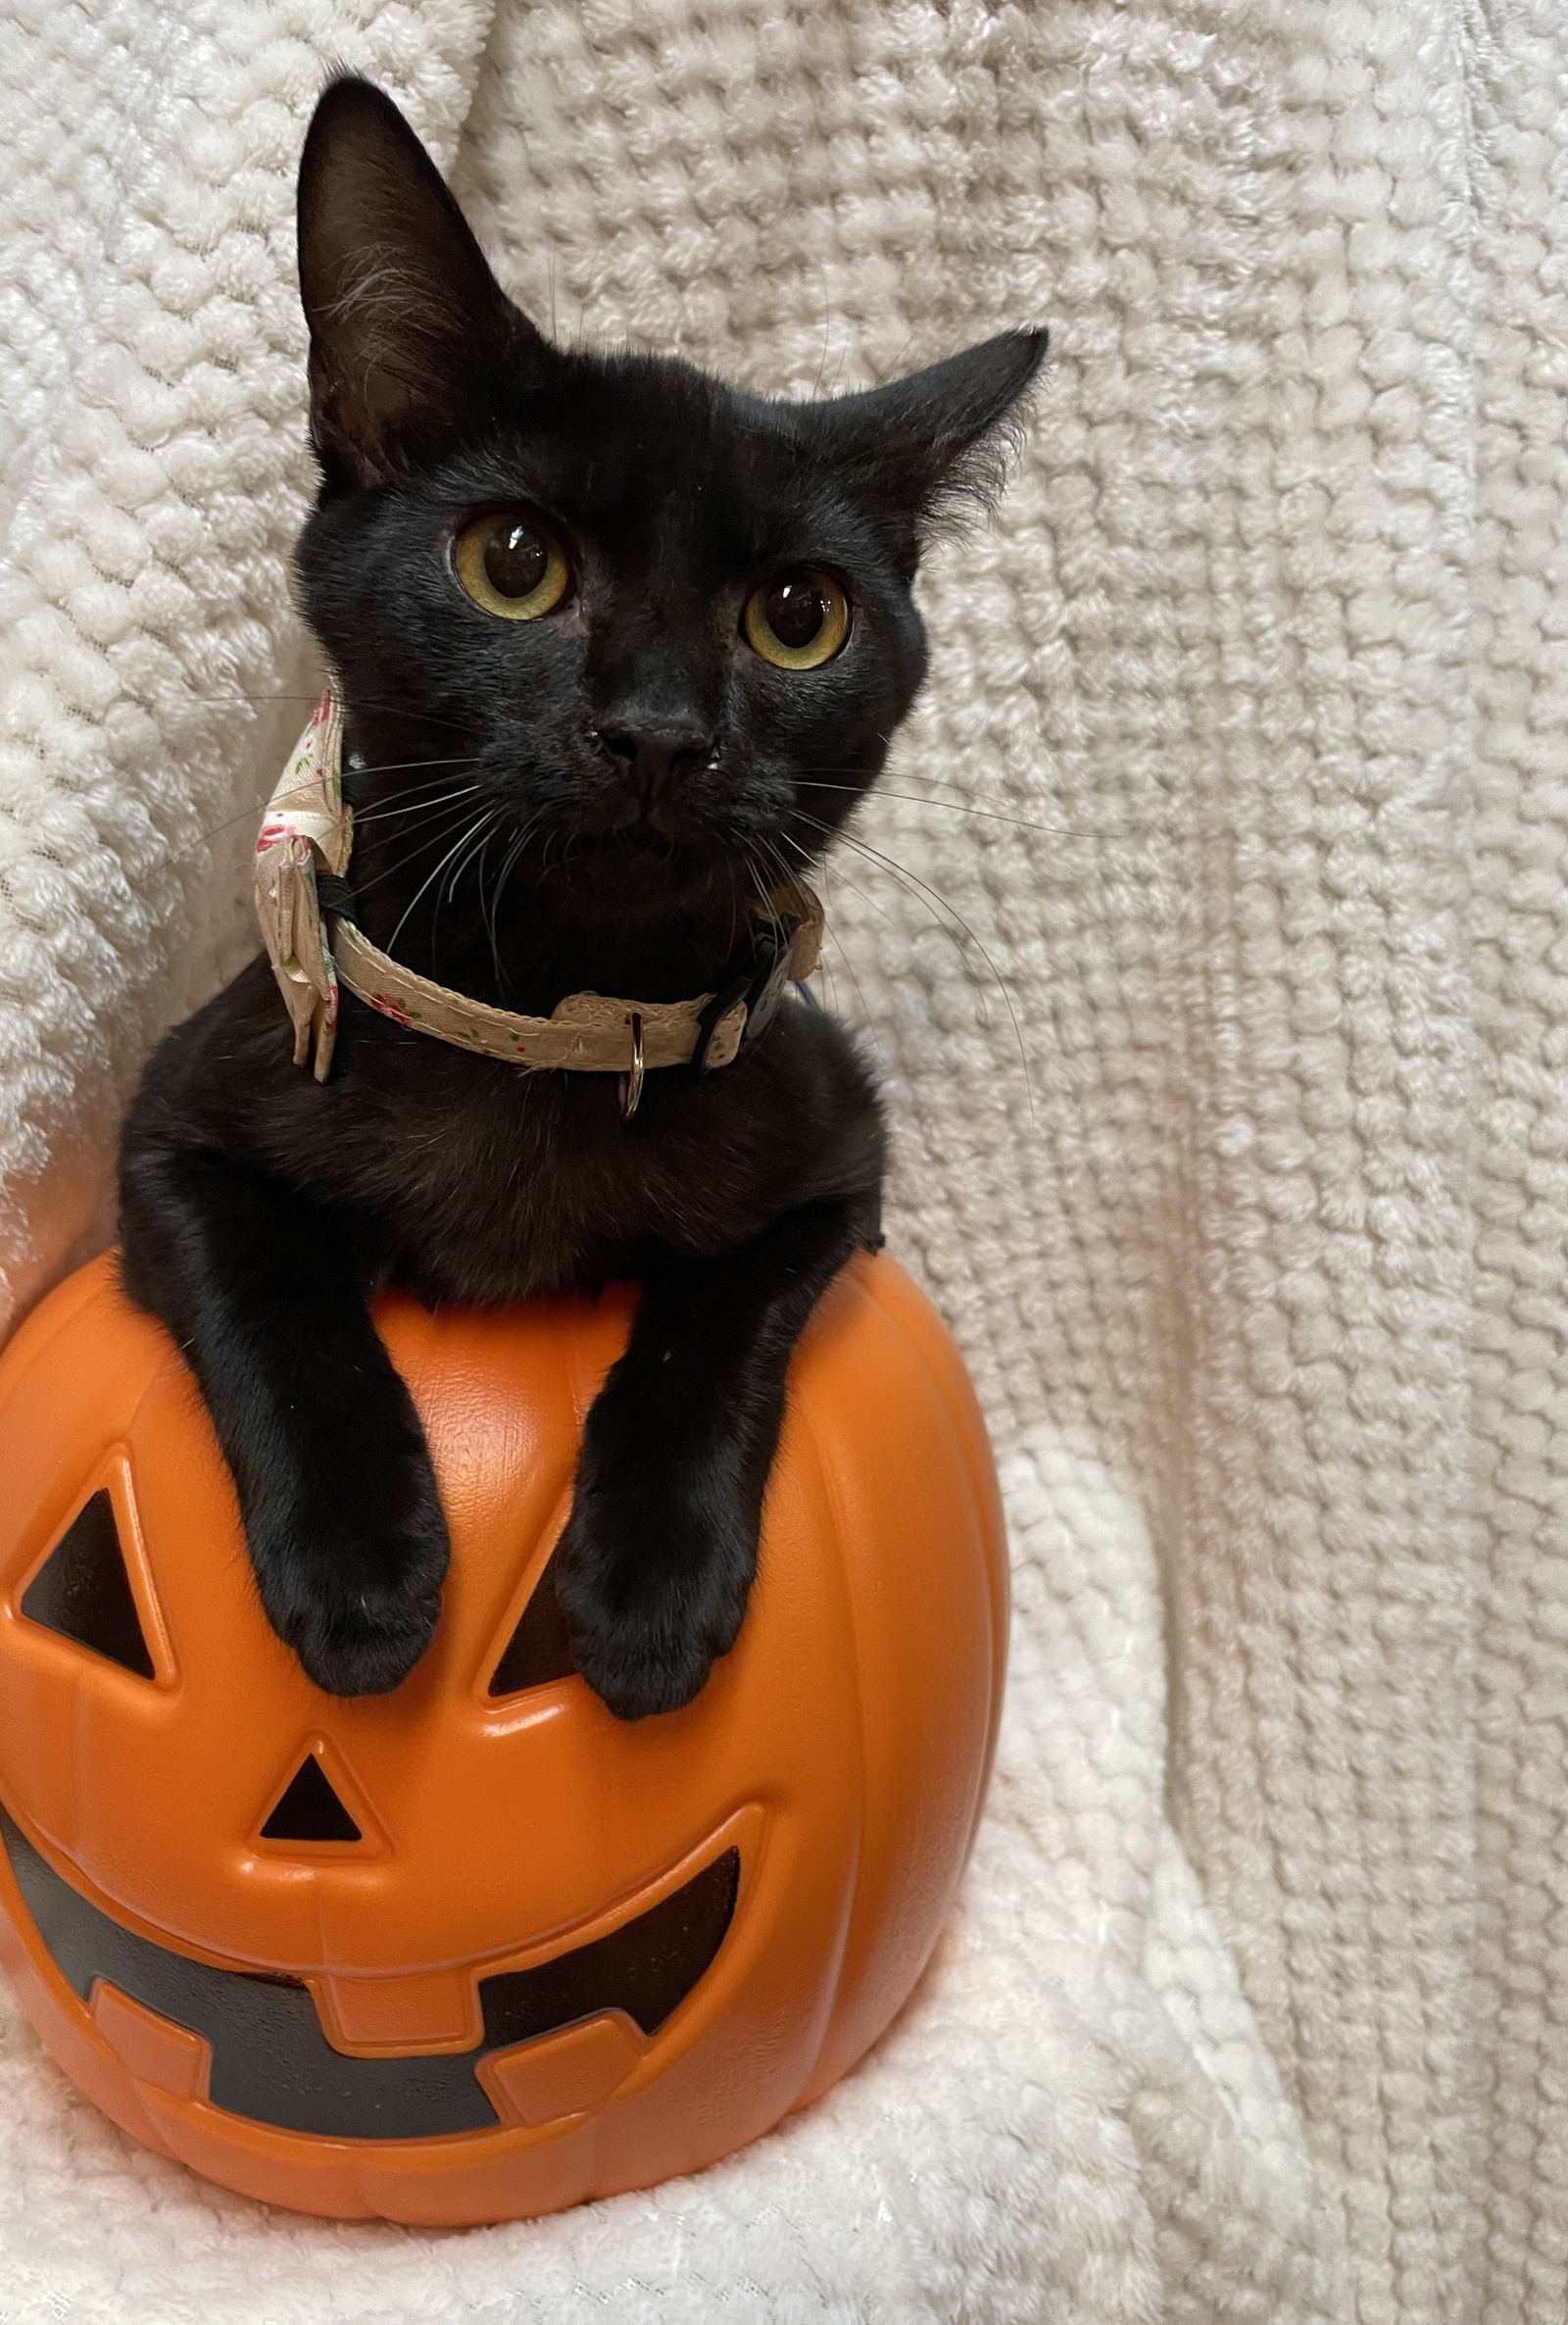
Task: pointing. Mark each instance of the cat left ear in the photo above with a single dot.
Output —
(410, 330)
(937, 436)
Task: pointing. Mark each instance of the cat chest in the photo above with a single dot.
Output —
(529, 1188)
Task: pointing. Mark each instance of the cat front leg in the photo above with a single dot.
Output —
(661, 1548)
(339, 1502)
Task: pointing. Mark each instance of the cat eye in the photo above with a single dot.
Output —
(510, 565)
(796, 622)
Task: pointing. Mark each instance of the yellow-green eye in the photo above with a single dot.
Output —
(796, 622)
(512, 566)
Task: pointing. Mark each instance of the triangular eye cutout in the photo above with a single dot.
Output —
(309, 1809)
(84, 1591)
(537, 1651)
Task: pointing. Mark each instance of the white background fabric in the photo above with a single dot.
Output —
(1242, 761)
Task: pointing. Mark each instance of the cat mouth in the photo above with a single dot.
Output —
(641, 838)
(269, 2056)
(648, 872)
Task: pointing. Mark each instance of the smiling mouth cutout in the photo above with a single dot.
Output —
(269, 2058)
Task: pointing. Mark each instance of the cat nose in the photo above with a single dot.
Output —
(653, 753)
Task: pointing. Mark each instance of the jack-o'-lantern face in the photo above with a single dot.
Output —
(476, 1948)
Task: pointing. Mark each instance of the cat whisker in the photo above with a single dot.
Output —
(307, 698)
(490, 915)
(397, 766)
(933, 898)
(866, 1010)
(461, 867)
(253, 811)
(760, 882)
(509, 865)
(875, 901)
(257, 807)
(956, 806)
(760, 886)
(865, 1013)
(734, 900)
(472, 852)
(459, 843)
(444, 819)
(408, 807)
(878, 863)
(409, 856)
(241, 815)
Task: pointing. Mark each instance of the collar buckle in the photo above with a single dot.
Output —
(762, 988)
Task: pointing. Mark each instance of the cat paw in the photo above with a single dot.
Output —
(652, 1585)
(355, 1588)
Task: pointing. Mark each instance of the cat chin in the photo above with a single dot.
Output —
(651, 866)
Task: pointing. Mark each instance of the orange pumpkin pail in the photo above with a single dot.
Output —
(476, 1949)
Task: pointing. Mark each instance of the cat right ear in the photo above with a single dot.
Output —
(410, 334)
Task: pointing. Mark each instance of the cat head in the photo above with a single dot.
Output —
(656, 630)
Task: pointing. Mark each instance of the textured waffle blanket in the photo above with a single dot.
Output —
(1227, 1109)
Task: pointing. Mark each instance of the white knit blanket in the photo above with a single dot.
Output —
(1228, 1116)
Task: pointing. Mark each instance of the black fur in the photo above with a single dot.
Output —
(645, 776)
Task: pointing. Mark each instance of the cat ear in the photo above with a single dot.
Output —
(936, 436)
(410, 330)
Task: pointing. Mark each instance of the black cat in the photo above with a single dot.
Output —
(619, 648)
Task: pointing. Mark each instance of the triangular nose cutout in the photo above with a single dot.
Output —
(537, 1651)
(309, 1809)
(83, 1592)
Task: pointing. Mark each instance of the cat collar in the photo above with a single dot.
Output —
(309, 825)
